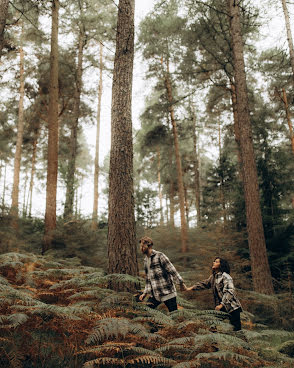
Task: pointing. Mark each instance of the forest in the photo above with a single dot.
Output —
(123, 120)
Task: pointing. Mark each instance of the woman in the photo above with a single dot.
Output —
(223, 291)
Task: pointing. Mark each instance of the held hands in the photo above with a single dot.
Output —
(189, 288)
(218, 307)
(141, 297)
(183, 287)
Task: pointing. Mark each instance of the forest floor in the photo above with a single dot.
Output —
(59, 313)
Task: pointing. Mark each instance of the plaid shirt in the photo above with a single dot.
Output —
(223, 290)
(161, 276)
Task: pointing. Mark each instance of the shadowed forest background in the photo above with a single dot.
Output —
(205, 168)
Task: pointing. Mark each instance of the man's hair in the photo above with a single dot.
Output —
(146, 240)
(224, 265)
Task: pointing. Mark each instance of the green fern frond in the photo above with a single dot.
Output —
(153, 319)
(3, 281)
(185, 324)
(119, 277)
(97, 293)
(225, 355)
(144, 310)
(113, 327)
(116, 300)
(118, 347)
(175, 347)
(187, 340)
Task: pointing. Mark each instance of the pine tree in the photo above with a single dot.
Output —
(122, 255)
(3, 16)
(51, 187)
(259, 262)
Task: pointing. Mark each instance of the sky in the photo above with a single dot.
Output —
(273, 33)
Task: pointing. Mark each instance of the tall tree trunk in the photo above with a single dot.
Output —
(196, 169)
(96, 173)
(172, 204)
(221, 188)
(186, 204)
(4, 189)
(285, 100)
(261, 275)
(24, 212)
(70, 180)
(289, 36)
(33, 169)
(3, 17)
(122, 252)
(52, 168)
(236, 125)
(166, 206)
(159, 184)
(20, 128)
(184, 235)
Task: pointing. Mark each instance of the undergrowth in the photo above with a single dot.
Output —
(57, 313)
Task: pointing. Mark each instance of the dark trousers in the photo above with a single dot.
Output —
(170, 303)
(235, 319)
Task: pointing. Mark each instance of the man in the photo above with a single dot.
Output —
(160, 277)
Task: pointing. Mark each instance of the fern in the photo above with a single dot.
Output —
(151, 359)
(116, 362)
(154, 319)
(14, 320)
(189, 364)
(225, 355)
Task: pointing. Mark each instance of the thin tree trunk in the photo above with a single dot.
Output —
(261, 275)
(4, 189)
(236, 126)
(184, 235)
(20, 128)
(196, 169)
(289, 36)
(3, 17)
(159, 184)
(52, 168)
(166, 206)
(186, 205)
(172, 204)
(96, 173)
(34, 155)
(70, 181)
(122, 252)
(24, 212)
(285, 100)
(222, 195)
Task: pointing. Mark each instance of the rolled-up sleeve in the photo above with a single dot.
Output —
(170, 268)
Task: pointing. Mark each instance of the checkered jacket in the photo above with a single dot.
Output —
(162, 276)
(223, 290)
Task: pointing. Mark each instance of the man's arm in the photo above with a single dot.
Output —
(170, 268)
(147, 289)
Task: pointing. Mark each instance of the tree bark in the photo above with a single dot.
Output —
(52, 168)
(122, 254)
(3, 17)
(20, 128)
(221, 188)
(196, 169)
(96, 173)
(4, 189)
(289, 36)
(184, 235)
(261, 275)
(70, 180)
(159, 184)
(186, 205)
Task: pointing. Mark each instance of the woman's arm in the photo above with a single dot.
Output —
(201, 285)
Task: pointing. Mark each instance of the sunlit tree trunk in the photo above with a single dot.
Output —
(289, 36)
(184, 234)
(261, 275)
(122, 252)
(33, 169)
(24, 212)
(70, 181)
(20, 128)
(52, 168)
(4, 189)
(3, 17)
(186, 204)
(221, 188)
(96, 168)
